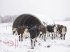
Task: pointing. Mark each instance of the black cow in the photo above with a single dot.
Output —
(51, 30)
(34, 32)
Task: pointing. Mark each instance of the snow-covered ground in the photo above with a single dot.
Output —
(10, 43)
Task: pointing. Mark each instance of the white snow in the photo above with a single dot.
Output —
(10, 43)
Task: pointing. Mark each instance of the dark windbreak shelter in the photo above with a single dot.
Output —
(26, 19)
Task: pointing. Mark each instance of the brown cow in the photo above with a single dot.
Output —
(20, 30)
(62, 31)
(42, 30)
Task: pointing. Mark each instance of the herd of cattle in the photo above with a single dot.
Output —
(41, 31)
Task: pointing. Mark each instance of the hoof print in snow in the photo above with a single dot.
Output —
(39, 44)
(32, 48)
(29, 51)
(68, 45)
(48, 46)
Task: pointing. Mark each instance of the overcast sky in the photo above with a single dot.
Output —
(53, 8)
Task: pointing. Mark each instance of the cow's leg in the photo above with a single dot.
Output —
(45, 37)
(61, 36)
(56, 34)
(35, 40)
(40, 35)
(52, 36)
(32, 43)
(49, 34)
(64, 36)
(21, 37)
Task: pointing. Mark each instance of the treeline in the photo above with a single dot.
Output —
(67, 19)
(7, 18)
(11, 18)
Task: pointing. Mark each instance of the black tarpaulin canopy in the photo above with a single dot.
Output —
(26, 19)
